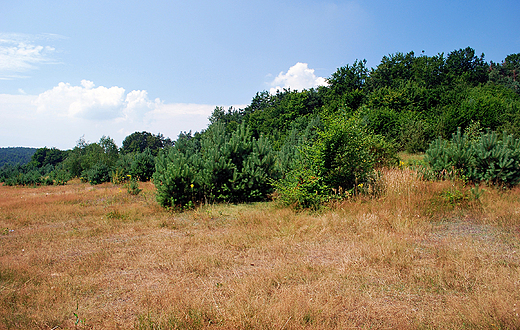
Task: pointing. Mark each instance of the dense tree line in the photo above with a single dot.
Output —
(311, 145)
(96, 162)
(17, 155)
(327, 140)
(409, 99)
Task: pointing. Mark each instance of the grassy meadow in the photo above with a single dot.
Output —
(422, 255)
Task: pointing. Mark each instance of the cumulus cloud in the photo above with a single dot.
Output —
(85, 101)
(298, 77)
(21, 53)
(95, 103)
(137, 105)
(59, 116)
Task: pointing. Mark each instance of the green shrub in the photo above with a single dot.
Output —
(489, 158)
(445, 157)
(97, 174)
(496, 160)
(288, 157)
(143, 165)
(301, 188)
(32, 178)
(415, 134)
(132, 187)
(60, 177)
(337, 165)
(236, 168)
(342, 154)
(174, 178)
(122, 169)
(228, 168)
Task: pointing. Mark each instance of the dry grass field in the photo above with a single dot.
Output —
(424, 255)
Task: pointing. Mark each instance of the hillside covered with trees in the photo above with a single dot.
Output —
(315, 145)
(16, 155)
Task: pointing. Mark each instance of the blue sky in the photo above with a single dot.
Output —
(93, 68)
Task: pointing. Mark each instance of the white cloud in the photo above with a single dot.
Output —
(137, 105)
(85, 101)
(59, 116)
(298, 77)
(21, 53)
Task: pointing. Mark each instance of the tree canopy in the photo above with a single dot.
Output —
(139, 141)
(305, 143)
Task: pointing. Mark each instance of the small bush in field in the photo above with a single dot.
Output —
(143, 165)
(174, 177)
(342, 154)
(225, 167)
(60, 177)
(117, 176)
(132, 187)
(302, 188)
(496, 160)
(98, 174)
(489, 158)
(338, 164)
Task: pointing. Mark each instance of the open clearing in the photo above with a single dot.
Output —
(423, 255)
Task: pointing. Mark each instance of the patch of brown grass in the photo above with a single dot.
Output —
(88, 257)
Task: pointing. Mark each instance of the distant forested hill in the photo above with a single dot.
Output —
(18, 155)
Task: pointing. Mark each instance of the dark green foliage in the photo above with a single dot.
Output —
(342, 154)
(445, 157)
(489, 158)
(122, 168)
(335, 165)
(415, 133)
(189, 144)
(60, 176)
(231, 118)
(408, 99)
(10, 171)
(139, 141)
(45, 156)
(27, 175)
(31, 175)
(392, 70)
(174, 178)
(464, 65)
(346, 86)
(82, 157)
(92, 162)
(73, 163)
(289, 157)
(413, 99)
(110, 152)
(496, 160)
(302, 188)
(236, 167)
(322, 143)
(228, 167)
(254, 166)
(18, 155)
(507, 73)
(143, 165)
(216, 164)
(275, 113)
(348, 78)
(383, 152)
(488, 104)
(97, 174)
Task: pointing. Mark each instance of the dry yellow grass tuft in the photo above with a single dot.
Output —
(422, 255)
